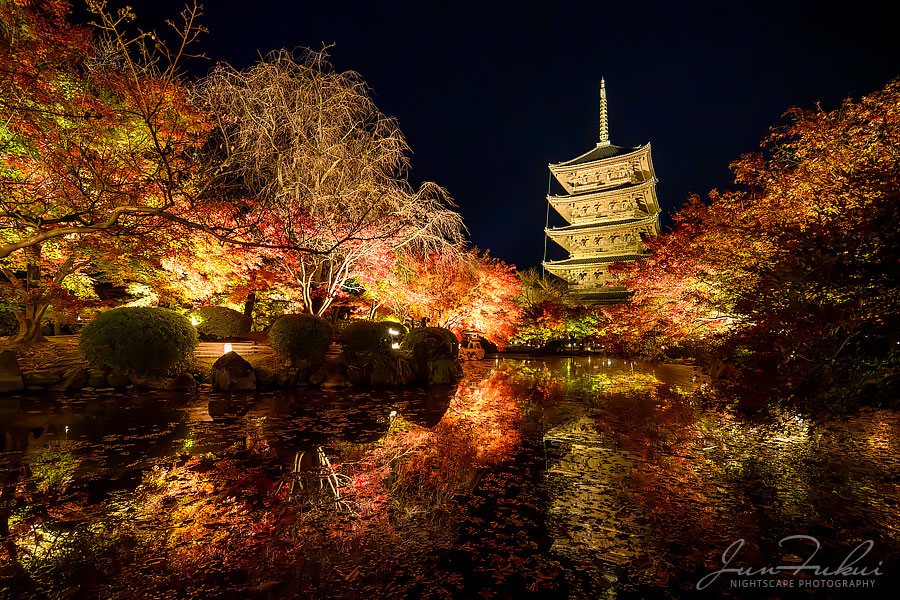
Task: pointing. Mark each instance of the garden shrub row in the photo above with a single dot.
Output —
(156, 341)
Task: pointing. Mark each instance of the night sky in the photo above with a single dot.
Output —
(488, 94)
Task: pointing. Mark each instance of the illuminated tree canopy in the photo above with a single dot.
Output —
(793, 274)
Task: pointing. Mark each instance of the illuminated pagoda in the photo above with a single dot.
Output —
(610, 202)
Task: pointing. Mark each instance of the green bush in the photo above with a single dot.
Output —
(220, 322)
(438, 339)
(138, 340)
(300, 337)
(372, 336)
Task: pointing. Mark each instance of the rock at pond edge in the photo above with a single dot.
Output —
(10, 373)
(232, 373)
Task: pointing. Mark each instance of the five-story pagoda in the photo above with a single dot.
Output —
(610, 202)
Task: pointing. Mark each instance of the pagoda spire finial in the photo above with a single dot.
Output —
(604, 123)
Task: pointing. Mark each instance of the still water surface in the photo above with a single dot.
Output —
(541, 478)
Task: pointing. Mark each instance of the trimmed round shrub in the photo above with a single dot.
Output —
(300, 337)
(220, 322)
(138, 340)
(372, 336)
(438, 339)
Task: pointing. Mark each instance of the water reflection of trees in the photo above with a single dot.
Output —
(648, 482)
(323, 494)
(283, 495)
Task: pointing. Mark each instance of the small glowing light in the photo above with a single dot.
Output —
(393, 331)
(395, 346)
(195, 320)
(393, 414)
(67, 429)
(226, 348)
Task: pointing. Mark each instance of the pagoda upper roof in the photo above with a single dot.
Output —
(598, 152)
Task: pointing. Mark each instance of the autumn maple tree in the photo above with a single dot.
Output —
(464, 291)
(792, 274)
(97, 140)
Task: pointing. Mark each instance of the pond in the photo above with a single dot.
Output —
(532, 478)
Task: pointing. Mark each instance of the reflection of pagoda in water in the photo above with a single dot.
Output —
(610, 202)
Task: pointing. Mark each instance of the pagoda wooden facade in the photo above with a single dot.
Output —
(609, 203)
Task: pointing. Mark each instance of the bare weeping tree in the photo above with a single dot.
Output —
(306, 147)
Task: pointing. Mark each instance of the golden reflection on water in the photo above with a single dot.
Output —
(638, 478)
(636, 468)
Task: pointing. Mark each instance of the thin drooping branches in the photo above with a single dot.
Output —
(308, 147)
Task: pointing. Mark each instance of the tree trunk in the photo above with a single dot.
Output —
(30, 315)
(249, 305)
(29, 319)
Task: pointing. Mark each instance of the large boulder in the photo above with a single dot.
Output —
(266, 376)
(73, 379)
(332, 374)
(231, 373)
(44, 377)
(118, 379)
(10, 373)
(379, 368)
(435, 355)
(96, 378)
(182, 382)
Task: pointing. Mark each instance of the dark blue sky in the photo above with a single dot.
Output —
(489, 93)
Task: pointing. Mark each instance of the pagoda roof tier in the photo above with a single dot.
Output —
(597, 153)
(571, 263)
(600, 239)
(600, 154)
(615, 204)
(605, 226)
(613, 296)
(604, 167)
(620, 190)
